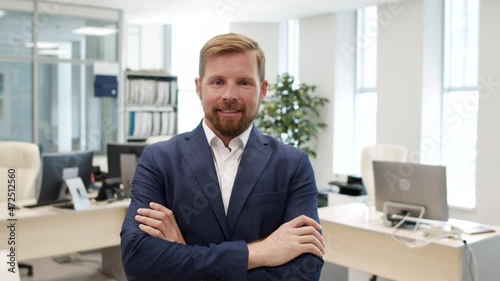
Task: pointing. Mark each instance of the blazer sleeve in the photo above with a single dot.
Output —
(150, 259)
(302, 200)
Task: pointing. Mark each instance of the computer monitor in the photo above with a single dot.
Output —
(114, 150)
(412, 184)
(58, 166)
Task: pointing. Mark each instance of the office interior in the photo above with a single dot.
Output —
(47, 95)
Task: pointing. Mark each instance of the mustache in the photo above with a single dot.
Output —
(229, 107)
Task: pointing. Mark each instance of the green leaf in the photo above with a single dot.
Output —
(291, 114)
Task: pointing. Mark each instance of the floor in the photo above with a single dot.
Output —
(74, 267)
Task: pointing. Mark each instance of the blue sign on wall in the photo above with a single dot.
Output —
(106, 86)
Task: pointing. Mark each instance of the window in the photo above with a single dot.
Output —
(365, 98)
(48, 98)
(460, 100)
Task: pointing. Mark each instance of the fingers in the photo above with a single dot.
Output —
(303, 220)
(159, 222)
(151, 231)
(312, 249)
(157, 211)
(307, 231)
(319, 247)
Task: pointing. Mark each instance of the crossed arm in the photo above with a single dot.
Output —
(155, 248)
(292, 239)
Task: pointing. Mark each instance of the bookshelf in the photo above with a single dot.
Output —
(150, 105)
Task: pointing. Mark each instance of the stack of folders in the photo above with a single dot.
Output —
(151, 92)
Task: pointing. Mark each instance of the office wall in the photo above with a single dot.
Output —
(268, 36)
(409, 75)
(153, 46)
(324, 61)
(149, 46)
(317, 67)
(399, 76)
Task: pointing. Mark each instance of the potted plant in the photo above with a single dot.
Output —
(291, 113)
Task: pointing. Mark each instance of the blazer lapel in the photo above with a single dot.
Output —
(197, 154)
(253, 161)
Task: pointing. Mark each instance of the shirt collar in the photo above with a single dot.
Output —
(243, 137)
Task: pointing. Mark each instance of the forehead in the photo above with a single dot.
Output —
(232, 63)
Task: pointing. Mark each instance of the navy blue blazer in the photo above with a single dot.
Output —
(274, 184)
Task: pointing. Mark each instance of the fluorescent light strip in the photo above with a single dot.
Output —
(95, 31)
(53, 52)
(42, 45)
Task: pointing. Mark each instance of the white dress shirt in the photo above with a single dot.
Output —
(226, 159)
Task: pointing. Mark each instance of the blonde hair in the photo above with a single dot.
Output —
(231, 43)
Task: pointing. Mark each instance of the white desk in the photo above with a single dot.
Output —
(354, 242)
(46, 231)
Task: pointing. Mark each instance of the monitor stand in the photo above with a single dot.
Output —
(411, 214)
(128, 163)
(79, 195)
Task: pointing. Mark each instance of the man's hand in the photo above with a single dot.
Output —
(159, 222)
(292, 239)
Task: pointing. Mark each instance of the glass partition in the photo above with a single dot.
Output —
(16, 101)
(70, 117)
(68, 37)
(16, 34)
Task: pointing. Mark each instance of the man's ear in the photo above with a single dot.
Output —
(197, 81)
(263, 89)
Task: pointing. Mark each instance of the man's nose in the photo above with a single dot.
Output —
(230, 93)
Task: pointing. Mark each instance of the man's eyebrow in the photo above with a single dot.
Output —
(211, 77)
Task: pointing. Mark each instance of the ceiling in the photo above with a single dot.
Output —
(170, 11)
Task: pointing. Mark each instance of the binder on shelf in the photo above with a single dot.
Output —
(173, 93)
(131, 123)
(151, 105)
(173, 122)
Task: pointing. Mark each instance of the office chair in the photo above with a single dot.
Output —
(24, 157)
(382, 152)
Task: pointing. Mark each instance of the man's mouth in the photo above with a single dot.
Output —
(228, 110)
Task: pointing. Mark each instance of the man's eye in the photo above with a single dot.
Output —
(245, 83)
(217, 82)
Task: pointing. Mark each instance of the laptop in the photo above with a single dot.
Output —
(414, 184)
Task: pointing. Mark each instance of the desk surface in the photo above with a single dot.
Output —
(356, 242)
(47, 211)
(356, 215)
(48, 231)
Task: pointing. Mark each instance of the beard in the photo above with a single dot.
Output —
(230, 126)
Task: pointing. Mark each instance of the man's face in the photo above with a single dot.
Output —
(230, 92)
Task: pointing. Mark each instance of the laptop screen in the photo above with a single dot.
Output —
(413, 184)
